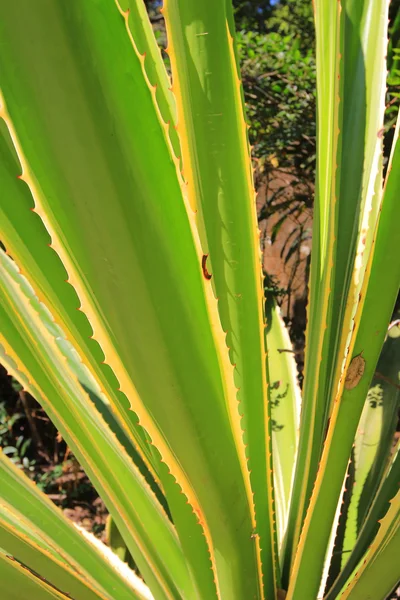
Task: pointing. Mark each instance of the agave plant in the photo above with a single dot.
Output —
(132, 309)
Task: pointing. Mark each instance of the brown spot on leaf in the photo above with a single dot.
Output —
(206, 274)
(381, 132)
(354, 372)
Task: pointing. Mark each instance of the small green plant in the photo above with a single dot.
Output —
(132, 309)
(14, 443)
(17, 453)
(47, 479)
(279, 86)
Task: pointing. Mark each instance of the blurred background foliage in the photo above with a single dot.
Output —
(278, 69)
(276, 43)
(276, 48)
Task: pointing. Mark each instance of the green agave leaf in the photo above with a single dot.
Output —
(117, 544)
(379, 296)
(379, 508)
(194, 543)
(19, 582)
(285, 399)
(141, 30)
(360, 171)
(31, 549)
(379, 571)
(218, 175)
(339, 532)
(125, 571)
(366, 444)
(328, 22)
(351, 76)
(84, 122)
(28, 241)
(374, 439)
(43, 370)
(36, 534)
(387, 377)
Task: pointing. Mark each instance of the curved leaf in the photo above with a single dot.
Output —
(380, 289)
(43, 370)
(379, 572)
(351, 53)
(379, 507)
(36, 533)
(131, 251)
(218, 175)
(285, 397)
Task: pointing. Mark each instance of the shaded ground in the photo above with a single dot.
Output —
(284, 207)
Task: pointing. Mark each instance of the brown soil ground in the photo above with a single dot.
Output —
(284, 207)
(285, 220)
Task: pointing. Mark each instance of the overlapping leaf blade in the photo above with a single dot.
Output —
(33, 356)
(140, 28)
(218, 175)
(48, 544)
(379, 295)
(387, 490)
(84, 125)
(386, 379)
(28, 241)
(374, 439)
(17, 582)
(351, 49)
(325, 216)
(378, 573)
(285, 397)
(84, 118)
(365, 446)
